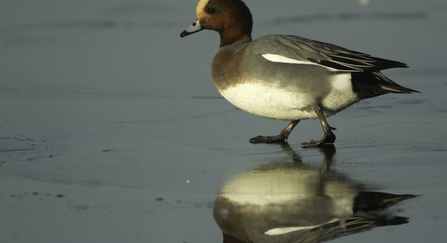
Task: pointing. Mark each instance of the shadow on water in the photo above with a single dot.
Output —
(299, 202)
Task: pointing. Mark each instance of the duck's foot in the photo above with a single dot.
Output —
(327, 139)
(281, 138)
(268, 139)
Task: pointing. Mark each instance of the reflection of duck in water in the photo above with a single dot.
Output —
(294, 202)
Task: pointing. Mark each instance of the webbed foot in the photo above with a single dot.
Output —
(327, 139)
(268, 139)
(282, 137)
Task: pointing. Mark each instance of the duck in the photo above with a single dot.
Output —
(287, 77)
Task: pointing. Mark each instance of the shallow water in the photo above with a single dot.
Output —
(112, 130)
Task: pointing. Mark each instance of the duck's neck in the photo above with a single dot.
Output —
(239, 27)
(228, 40)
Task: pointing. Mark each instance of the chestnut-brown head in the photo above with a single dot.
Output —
(230, 18)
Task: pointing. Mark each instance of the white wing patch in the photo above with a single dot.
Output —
(283, 59)
(285, 230)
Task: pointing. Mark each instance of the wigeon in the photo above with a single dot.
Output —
(287, 77)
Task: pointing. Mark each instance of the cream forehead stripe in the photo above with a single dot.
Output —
(200, 6)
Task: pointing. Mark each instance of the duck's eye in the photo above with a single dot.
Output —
(211, 10)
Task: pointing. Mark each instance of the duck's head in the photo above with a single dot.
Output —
(230, 18)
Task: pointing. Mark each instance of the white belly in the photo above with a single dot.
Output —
(282, 104)
(269, 102)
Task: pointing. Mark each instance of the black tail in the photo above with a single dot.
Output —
(382, 64)
(370, 84)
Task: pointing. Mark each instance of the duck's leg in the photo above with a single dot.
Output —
(278, 138)
(328, 137)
